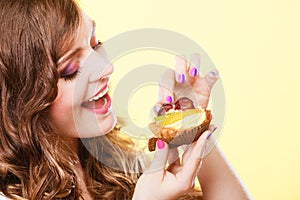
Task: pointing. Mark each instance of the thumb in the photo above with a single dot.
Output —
(160, 158)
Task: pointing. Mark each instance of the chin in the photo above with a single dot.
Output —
(107, 124)
(95, 127)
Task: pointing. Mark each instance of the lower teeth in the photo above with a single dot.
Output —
(105, 102)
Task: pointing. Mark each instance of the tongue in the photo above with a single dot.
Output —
(95, 104)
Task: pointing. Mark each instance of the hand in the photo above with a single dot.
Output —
(160, 183)
(186, 81)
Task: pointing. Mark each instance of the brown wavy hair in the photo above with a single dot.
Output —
(35, 161)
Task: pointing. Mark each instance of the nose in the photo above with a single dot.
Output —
(98, 67)
(101, 71)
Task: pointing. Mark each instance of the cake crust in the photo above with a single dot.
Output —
(175, 137)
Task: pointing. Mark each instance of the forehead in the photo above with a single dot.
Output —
(82, 38)
(86, 25)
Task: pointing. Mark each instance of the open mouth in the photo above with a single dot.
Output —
(100, 103)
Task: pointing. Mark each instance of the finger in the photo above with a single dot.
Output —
(166, 88)
(194, 68)
(192, 163)
(160, 159)
(174, 161)
(210, 143)
(173, 156)
(180, 69)
(212, 128)
(211, 78)
(187, 152)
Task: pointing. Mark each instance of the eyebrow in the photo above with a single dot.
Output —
(94, 27)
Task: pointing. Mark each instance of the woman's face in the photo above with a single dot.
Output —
(82, 108)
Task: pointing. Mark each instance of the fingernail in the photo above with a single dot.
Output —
(169, 99)
(181, 78)
(215, 128)
(160, 144)
(213, 74)
(193, 71)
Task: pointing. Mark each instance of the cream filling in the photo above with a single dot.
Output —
(188, 121)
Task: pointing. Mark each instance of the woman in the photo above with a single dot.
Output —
(52, 95)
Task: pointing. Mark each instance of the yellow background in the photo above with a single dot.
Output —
(256, 47)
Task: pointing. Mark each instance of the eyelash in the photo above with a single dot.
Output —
(99, 44)
(70, 77)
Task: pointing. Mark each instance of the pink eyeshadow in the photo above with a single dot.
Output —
(69, 69)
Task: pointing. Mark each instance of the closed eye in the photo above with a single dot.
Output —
(70, 71)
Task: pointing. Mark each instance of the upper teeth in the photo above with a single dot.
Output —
(101, 94)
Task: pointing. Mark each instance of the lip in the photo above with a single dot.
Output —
(104, 110)
(99, 91)
(102, 88)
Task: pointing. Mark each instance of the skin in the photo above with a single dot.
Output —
(170, 181)
(218, 180)
(159, 182)
(70, 117)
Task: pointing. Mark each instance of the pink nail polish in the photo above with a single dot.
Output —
(169, 99)
(160, 144)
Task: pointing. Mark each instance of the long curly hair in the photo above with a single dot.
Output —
(35, 160)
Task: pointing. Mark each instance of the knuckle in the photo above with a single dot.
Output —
(196, 160)
(186, 184)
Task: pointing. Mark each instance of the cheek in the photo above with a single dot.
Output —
(61, 112)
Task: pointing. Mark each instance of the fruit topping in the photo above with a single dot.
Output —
(184, 103)
(164, 108)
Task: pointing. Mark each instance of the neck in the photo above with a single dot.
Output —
(72, 148)
(73, 143)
